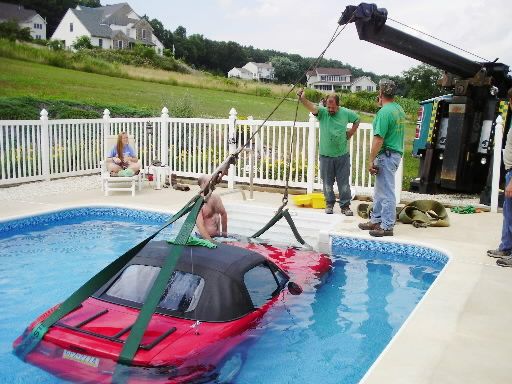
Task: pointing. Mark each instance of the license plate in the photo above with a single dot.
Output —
(79, 358)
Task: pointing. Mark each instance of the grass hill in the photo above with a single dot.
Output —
(26, 87)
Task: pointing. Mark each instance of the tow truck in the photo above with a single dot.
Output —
(455, 132)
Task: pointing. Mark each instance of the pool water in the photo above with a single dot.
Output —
(332, 333)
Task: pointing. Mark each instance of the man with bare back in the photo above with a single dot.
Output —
(212, 219)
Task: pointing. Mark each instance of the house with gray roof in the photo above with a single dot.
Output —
(26, 18)
(115, 26)
(329, 79)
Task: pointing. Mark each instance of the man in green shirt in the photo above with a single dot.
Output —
(334, 155)
(385, 156)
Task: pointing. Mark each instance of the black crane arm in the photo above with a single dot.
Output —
(371, 26)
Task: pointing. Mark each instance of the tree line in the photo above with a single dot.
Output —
(218, 57)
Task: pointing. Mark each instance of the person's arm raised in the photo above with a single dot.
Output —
(311, 107)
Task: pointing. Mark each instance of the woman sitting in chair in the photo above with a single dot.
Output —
(122, 159)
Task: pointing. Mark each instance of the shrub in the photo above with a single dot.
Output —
(183, 107)
(231, 82)
(313, 95)
(140, 56)
(12, 31)
(361, 101)
(42, 42)
(55, 45)
(82, 42)
(143, 51)
(263, 91)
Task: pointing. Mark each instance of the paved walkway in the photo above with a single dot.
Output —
(460, 332)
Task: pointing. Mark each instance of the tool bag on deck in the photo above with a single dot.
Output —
(419, 213)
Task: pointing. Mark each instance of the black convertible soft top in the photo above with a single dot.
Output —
(224, 295)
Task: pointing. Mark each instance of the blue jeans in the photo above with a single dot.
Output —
(506, 230)
(384, 200)
(336, 168)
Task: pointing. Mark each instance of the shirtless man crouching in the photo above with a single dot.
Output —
(212, 219)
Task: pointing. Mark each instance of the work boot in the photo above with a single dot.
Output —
(505, 261)
(345, 210)
(329, 210)
(368, 226)
(497, 253)
(379, 232)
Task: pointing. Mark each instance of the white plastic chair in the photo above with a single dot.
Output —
(118, 183)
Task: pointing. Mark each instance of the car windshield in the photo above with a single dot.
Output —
(182, 293)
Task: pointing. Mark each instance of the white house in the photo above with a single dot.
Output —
(329, 79)
(254, 71)
(114, 26)
(363, 84)
(26, 18)
(260, 71)
(240, 73)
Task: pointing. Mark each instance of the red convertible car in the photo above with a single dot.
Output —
(202, 324)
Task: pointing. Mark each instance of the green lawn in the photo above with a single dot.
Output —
(20, 78)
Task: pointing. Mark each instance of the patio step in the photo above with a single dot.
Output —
(246, 219)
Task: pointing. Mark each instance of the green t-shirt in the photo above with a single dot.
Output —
(333, 130)
(389, 124)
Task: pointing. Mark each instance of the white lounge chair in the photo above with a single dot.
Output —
(118, 183)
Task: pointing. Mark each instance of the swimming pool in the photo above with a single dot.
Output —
(329, 334)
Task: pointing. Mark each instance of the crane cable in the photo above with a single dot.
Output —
(223, 168)
(438, 39)
(281, 211)
(315, 64)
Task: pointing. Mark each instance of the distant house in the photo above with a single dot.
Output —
(240, 73)
(363, 84)
(114, 26)
(329, 79)
(254, 71)
(26, 18)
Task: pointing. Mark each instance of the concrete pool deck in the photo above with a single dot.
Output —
(460, 332)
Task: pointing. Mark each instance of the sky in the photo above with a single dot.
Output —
(305, 26)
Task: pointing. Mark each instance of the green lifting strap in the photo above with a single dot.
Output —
(32, 338)
(278, 216)
(159, 286)
(296, 233)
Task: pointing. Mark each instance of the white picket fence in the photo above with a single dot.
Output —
(44, 149)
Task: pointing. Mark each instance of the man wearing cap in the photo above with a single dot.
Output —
(385, 156)
(333, 149)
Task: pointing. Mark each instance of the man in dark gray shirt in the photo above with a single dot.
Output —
(504, 252)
